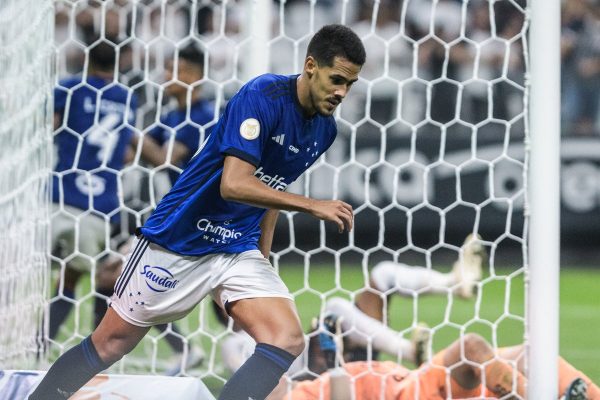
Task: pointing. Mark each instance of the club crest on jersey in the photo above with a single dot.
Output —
(250, 129)
(158, 279)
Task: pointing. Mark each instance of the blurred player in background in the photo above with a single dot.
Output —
(388, 278)
(94, 136)
(183, 125)
(93, 119)
(180, 126)
(212, 232)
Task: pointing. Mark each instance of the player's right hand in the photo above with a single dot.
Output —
(335, 211)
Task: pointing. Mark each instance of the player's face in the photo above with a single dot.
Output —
(187, 74)
(330, 85)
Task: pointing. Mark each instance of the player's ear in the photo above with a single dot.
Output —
(310, 65)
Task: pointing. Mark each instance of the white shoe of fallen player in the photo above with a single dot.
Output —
(183, 362)
(468, 269)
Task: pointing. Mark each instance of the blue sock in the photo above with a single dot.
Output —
(259, 375)
(59, 311)
(70, 372)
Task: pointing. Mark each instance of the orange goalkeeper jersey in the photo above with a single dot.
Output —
(430, 382)
(369, 380)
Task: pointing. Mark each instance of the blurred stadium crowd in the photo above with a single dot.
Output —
(487, 47)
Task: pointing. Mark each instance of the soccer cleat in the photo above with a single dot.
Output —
(420, 342)
(183, 362)
(467, 270)
(577, 390)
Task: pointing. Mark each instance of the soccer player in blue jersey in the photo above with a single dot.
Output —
(93, 120)
(212, 233)
(183, 124)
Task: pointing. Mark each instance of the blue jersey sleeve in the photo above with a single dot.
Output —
(189, 136)
(250, 120)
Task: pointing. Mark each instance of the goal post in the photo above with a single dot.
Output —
(26, 83)
(544, 180)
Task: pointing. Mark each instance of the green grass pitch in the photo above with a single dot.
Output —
(497, 312)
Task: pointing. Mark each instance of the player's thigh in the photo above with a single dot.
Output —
(272, 320)
(249, 288)
(157, 286)
(244, 276)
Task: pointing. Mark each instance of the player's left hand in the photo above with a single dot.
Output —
(335, 211)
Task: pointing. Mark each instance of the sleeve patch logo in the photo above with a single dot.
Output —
(250, 129)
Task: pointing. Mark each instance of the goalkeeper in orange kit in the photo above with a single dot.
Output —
(468, 368)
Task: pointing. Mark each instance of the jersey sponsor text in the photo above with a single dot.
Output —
(223, 233)
(276, 181)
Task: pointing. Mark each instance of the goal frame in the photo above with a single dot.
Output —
(544, 200)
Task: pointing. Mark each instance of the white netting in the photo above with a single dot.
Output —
(431, 147)
(25, 139)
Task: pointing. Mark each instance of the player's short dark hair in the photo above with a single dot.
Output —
(336, 41)
(103, 56)
(193, 55)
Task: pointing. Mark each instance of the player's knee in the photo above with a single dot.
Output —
(290, 340)
(295, 343)
(110, 354)
(112, 348)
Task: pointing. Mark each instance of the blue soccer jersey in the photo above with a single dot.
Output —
(262, 124)
(186, 131)
(91, 150)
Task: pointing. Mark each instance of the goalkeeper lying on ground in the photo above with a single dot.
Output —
(476, 371)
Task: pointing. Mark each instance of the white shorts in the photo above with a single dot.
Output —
(75, 231)
(158, 286)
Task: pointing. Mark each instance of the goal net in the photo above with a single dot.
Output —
(25, 139)
(431, 148)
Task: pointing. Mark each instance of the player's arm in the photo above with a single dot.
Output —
(238, 183)
(267, 227)
(156, 154)
(151, 151)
